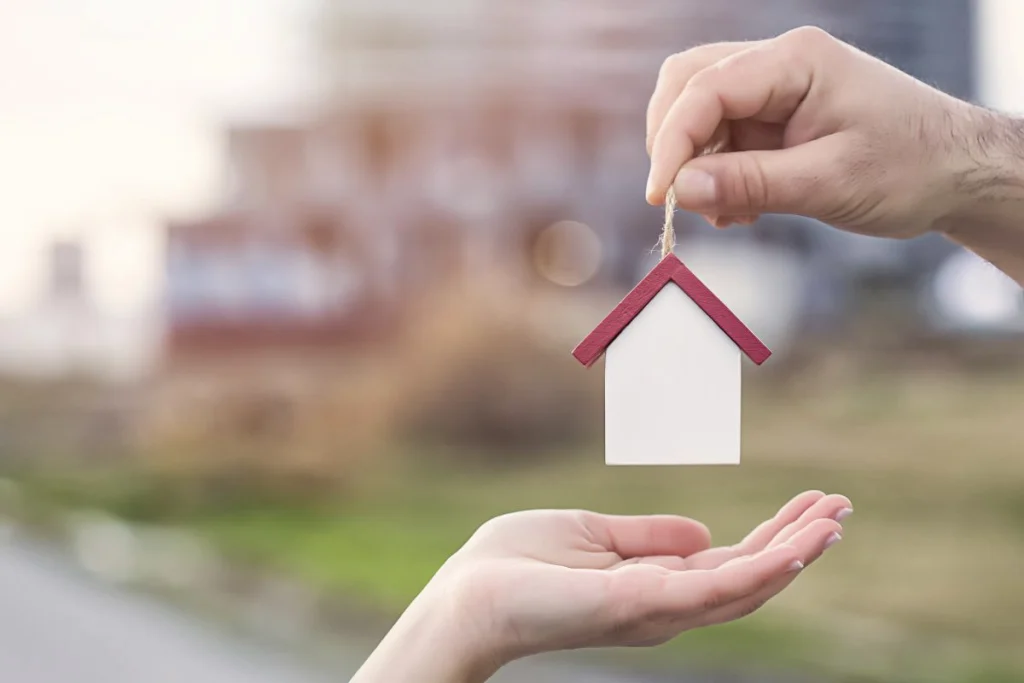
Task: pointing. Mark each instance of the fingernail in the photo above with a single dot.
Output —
(796, 566)
(694, 188)
(843, 514)
(832, 540)
(649, 191)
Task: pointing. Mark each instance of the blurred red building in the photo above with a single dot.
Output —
(453, 136)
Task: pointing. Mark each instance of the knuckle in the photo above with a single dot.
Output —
(702, 54)
(808, 37)
(746, 187)
(739, 60)
(698, 63)
(682, 62)
(672, 64)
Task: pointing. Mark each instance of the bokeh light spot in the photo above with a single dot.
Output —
(567, 253)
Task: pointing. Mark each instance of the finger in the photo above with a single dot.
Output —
(675, 73)
(696, 592)
(814, 539)
(833, 507)
(644, 536)
(759, 538)
(811, 540)
(763, 181)
(797, 507)
(768, 82)
(810, 543)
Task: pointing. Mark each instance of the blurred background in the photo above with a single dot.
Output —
(287, 295)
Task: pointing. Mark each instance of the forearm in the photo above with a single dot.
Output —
(989, 217)
(428, 645)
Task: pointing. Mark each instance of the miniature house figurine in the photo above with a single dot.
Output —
(672, 373)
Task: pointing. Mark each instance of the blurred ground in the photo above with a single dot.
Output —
(925, 586)
(55, 625)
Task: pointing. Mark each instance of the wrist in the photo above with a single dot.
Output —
(433, 642)
(986, 178)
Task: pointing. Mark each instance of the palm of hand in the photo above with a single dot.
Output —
(551, 579)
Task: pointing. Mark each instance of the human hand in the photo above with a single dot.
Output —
(545, 580)
(809, 125)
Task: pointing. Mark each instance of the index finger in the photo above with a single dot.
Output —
(676, 72)
(761, 536)
(767, 82)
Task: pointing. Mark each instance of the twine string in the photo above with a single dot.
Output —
(668, 231)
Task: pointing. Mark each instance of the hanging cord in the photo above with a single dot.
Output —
(668, 231)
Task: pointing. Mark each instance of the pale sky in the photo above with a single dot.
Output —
(110, 112)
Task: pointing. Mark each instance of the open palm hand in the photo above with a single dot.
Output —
(558, 579)
(543, 580)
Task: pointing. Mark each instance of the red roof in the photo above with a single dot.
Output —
(670, 269)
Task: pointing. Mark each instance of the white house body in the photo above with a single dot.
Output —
(672, 372)
(672, 388)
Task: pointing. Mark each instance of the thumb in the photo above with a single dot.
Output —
(793, 181)
(651, 535)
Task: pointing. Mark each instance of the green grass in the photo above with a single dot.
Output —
(925, 588)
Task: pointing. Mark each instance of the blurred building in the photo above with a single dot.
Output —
(456, 134)
(65, 332)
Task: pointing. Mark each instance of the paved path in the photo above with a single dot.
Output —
(57, 625)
